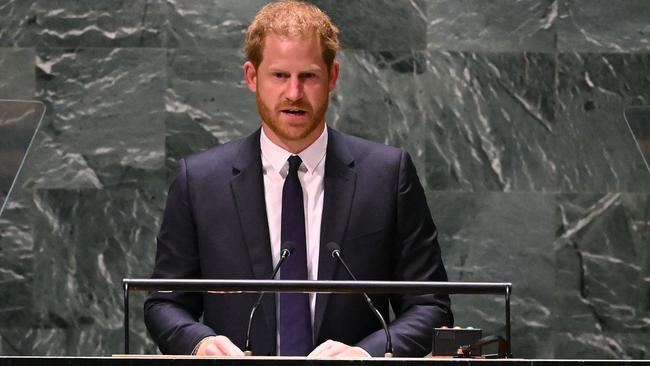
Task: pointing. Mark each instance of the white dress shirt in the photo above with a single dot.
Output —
(311, 175)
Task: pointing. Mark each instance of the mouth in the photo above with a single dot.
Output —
(294, 112)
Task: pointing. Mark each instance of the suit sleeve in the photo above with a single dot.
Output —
(172, 318)
(416, 257)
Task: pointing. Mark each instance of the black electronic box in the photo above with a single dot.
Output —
(447, 341)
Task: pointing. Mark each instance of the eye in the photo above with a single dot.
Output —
(307, 75)
(280, 75)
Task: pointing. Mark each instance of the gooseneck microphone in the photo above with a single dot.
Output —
(335, 250)
(285, 252)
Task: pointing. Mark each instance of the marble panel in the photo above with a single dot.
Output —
(86, 241)
(18, 123)
(500, 122)
(74, 341)
(501, 237)
(600, 154)
(385, 25)
(17, 258)
(471, 121)
(16, 264)
(603, 26)
(84, 23)
(15, 15)
(17, 70)
(105, 121)
(364, 24)
(31, 341)
(492, 26)
(638, 120)
(209, 24)
(602, 278)
(207, 102)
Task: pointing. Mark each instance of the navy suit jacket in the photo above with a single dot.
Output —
(215, 227)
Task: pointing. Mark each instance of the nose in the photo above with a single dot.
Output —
(294, 89)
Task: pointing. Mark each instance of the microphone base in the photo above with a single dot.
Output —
(388, 355)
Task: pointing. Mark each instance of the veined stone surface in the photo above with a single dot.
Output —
(17, 80)
(604, 26)
(83, 23)
(105, 111)
(492, 26)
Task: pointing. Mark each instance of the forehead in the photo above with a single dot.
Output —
(295, 49)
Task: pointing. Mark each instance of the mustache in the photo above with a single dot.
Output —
(294, 105)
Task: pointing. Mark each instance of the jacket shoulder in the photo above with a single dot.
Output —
(224, 157)
(367, 151)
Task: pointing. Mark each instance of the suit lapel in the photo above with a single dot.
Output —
(248, 190)
(340, 180)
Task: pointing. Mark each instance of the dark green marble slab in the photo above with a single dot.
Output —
(579, 265)
(206, 24)
(15, 15)
(105, 120)
(84, 23)
(500, 122)
(472, 121)
(19, 121)
(603, 26)
(85, 243)
(603, 267)
(492, 26)
(502, 237)
(387, 25)
(368, 24)
(638, 120)
(63, 260)
(600, 153)
(16, 266)
(207, 102)
(18, 79)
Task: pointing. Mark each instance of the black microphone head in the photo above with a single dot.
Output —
(289, 246)
(332, 248)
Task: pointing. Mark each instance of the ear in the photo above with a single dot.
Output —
(334, 75)
(250, 75)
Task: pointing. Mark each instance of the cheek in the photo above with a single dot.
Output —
(265, 96)
(318, 96)
(268, 92)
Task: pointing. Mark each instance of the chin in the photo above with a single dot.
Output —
(294, 135)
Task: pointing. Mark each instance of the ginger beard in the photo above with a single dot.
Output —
(288, 130)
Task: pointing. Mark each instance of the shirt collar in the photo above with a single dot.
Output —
(311, 157)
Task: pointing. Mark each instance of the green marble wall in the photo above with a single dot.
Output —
(511, 109)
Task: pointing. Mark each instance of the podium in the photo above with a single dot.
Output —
(370, 287)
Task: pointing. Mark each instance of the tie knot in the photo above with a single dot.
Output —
(294, 163)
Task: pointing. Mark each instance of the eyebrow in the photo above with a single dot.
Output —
(310, 69)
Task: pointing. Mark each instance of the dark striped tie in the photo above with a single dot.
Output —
(295, 318)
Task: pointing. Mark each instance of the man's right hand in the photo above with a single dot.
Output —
(218, 346)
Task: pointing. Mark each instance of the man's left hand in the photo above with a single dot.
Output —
(334, 349)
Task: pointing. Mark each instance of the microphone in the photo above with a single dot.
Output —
(335, 250)
(287, 249)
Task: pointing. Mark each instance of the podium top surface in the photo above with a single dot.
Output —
(157, 360)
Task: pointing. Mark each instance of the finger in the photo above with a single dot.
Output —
(318, 351)
(332, 349)
(226, 347)
(210, 349)
(353, 352)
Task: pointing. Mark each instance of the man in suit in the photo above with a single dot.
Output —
(227, 215)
